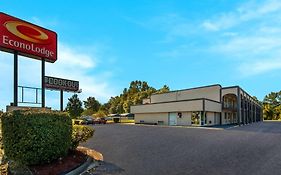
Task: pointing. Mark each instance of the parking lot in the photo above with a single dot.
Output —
(136, 150)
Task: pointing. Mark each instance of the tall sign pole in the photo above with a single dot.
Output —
(15, 79)
(61, 100)
(43, 83)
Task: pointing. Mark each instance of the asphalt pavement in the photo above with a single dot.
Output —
(155, 150)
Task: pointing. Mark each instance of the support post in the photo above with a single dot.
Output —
(36, 95)
(22, 94)
(15, 79)
(238, 106)
(61, 100)
(43, 83)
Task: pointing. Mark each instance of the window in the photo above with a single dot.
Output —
(179, 114)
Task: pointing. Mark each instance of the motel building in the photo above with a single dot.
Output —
(200, 106)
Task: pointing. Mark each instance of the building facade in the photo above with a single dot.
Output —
(201, 106)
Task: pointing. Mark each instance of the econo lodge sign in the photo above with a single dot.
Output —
(26, 38)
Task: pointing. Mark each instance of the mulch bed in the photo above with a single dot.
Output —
(64, 165)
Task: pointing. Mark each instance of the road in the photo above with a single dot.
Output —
(155, 150)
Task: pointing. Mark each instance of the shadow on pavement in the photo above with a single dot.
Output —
(260, 127)
(272, 127)
(222, 126)
(105, 168)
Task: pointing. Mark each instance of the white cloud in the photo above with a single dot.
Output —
(75, 65)
(259, 67)
(254, 54)
(71, 64)
(222, 22)
(255, 46)
(75, 59)
(244, 13)
(248, 46)
(210, 26)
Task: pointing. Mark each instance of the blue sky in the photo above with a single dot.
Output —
(181, 43)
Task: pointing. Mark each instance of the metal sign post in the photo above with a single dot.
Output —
(43, 83)
(61, 100)
(15, 79)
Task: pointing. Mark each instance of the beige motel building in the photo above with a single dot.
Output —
(200, 106)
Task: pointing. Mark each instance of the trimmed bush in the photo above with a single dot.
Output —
(36, 137)
(80, 133)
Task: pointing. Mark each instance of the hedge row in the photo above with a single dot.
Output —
(36, 137)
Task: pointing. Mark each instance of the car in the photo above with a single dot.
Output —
(87, 120)
(100, 121)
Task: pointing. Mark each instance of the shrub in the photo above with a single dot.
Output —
(36, 137)
(80, 134)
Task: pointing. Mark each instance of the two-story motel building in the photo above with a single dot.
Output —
(201, 106)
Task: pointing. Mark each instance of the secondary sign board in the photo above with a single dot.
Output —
(61, 84)
(28, 39)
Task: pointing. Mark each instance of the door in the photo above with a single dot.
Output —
(172, 119)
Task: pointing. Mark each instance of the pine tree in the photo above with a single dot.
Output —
(74, 106)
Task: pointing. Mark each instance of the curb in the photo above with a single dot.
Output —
(95, 155)
(81, 168)
(179, 126)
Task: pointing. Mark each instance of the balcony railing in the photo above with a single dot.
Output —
(229, 107)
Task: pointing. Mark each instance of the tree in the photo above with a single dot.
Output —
(74, 106)
(164, 89)
(92, 105)
(273, 98)
(272, 106)
(137, 91)
(268, 112)
(99, 114)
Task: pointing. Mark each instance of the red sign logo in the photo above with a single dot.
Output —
(27, 32)
(28, 39)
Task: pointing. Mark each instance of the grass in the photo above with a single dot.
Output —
(127, 121)
(272, 120)
(122, 121)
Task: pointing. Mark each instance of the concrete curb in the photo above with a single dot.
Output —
(81, 168)
(190, 127)
(93, 157)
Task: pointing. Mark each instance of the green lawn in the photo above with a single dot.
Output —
(122, 121)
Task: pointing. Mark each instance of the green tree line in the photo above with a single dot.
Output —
(133, 95)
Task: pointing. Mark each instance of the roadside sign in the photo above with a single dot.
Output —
(27, 39)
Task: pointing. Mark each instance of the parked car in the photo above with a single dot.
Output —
(100, 121)
(87, 120)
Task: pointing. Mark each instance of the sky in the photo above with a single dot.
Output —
(106, 44)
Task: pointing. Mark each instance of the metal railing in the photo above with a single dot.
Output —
(36, 100)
